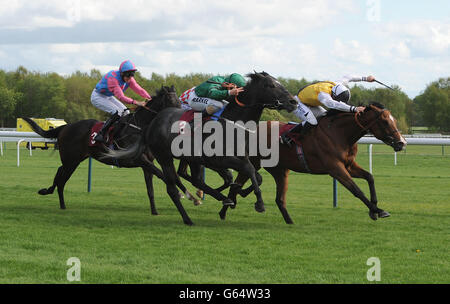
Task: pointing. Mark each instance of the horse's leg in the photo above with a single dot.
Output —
(154, 170)
(61, 180)
(171, 179)
(357, 172)
(148, 175)
(281, 176)
(182, 171)
(198, 182)
(227, 177)
(250, 171)
(249, 189)
(343, 176)
(50, 190)
(234, 190)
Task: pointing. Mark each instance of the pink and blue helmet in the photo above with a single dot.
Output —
(126, 66)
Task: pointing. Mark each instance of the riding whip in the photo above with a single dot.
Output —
(384, 85)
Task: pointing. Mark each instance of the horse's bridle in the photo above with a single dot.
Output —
(367, 128)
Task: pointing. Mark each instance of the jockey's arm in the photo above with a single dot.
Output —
(352, 78)
(138, 89)
(217, 93)
(113, 86)
(330, 103)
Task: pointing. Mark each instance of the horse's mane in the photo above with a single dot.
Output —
(162, 91)
(255, 76)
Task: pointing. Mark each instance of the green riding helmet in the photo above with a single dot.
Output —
(237, 79)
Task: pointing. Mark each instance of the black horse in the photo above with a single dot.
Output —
(262, 91)
(73, 144)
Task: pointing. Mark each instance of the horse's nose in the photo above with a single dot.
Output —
(398, 146)
(293, 102)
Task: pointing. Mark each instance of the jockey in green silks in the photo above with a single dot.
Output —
(210, 96)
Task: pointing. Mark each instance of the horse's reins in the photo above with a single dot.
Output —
(230, 86)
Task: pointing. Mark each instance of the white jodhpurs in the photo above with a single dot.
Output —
(109, 104)
(308, 114)
(199, 104)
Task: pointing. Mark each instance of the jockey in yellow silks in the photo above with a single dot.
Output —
(333, 95)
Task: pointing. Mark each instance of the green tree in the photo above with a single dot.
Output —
(8, 101)
(434, 105)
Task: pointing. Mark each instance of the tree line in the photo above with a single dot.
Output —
(26, 93)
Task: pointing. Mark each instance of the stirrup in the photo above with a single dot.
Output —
(99, 138)
(286, 140)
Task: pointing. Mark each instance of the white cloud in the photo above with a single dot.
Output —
(426, 37)
(65, 48)
(288, 38)
(352, 51)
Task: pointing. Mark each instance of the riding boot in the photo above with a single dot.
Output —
(101, 134)
(285, 139)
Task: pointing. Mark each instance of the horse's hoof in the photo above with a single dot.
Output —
(228, 202)
(222, 216)
(189, 223)
(43, 192)
(200, 194)
(181, 195)
(259, 207)
(383, 214)
(373, 215)
(197, 203)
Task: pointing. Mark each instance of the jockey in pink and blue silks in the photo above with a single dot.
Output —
(108, 94)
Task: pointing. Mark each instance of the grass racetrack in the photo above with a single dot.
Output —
(117, 240)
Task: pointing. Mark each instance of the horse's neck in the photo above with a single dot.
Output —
(234, 112)
(344, 126)
(140, 118)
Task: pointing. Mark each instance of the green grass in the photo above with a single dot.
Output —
(117, 240)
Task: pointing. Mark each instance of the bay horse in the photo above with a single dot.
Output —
(331, 148)
(73, 142)
(262, 91)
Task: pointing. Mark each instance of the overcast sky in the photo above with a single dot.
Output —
(400, 42)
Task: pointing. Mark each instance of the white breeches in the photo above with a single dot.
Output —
(109, 104)
(200, 103)
(307, 113)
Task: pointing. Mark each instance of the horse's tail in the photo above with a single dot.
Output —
(131, 152)
(52, 133)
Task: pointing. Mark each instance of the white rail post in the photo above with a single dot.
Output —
(370, 157)
(395, 158)
(1, 147)
(18, 151)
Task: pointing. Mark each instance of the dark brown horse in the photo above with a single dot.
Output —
(331, 148)
(73, 145)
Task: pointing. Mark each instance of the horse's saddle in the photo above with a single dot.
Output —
(109, 136)
(188, 117)
(294, 136)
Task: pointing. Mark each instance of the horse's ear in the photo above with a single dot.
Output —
(255, 76)
(172, 88)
